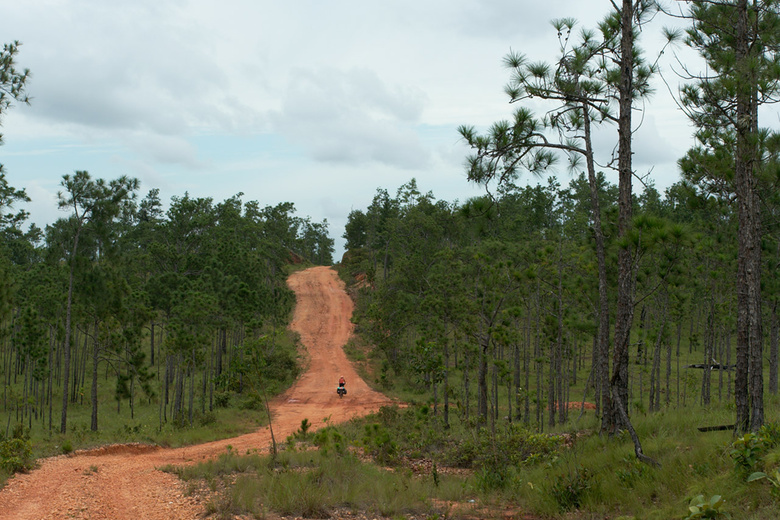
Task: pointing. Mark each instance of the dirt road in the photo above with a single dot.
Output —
(124, 482)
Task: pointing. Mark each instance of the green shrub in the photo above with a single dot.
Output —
(379, 444)
(180, 421)
(701, 508)
(773, 479)
(207, 418)
(330, 439)
(280, 367)
(67, 446)
(492, 478)
(16, 452)
(221, 399)
(568, 489)
(770, 432)
(253, 401)
(512, 446)
(747, 451)
(389, 415)
(634, 473)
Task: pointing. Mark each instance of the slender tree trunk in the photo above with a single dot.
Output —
(728, 362)
(601, 350)
(679, 340)
(66, 355)
(131, 399)
(614, 418)
(203, 389)
(446, 384)
(655, 372)
(50, 391)
(191, 401)
(466, 385)
(709, 336)
(212, 374)
(222, 346)
(720, 341)
(749, 373)
(94, 388)
(640, 344)
(151, 348)
(518, 397)
(561, 398)
(773, 344)
(527, 370)
(482, 400)
(551, 404)
(84, 358)
(539, 365)
(668, 378)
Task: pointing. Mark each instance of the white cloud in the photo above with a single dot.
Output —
(352, 117)
(317, 103)
(165, 149)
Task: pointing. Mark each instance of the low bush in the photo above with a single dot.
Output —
(569, 489)
(700, 507)
(379, 444)
(747, 452)
(221, 399)
(16, 451)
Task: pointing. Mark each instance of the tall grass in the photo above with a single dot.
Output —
(314, 483)
(592, 477)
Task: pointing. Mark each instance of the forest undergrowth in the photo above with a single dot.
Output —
(404, 463)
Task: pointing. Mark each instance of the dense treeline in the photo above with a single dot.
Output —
(528, 289)
(518, 283)
(501, 296)
(174, 306)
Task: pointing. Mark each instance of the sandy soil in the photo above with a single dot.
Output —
(124, 482)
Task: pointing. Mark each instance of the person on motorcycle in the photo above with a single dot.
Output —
(342, 382)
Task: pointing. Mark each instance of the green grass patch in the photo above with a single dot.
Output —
(576, 476)
(311, 483)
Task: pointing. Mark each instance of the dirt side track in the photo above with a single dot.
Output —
(123, 482)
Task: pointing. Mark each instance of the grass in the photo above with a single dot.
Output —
(312, 484)
(593, 477)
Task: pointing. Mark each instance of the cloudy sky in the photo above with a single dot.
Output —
(314, 102)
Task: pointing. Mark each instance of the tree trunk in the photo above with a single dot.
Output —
(709, 334)
(527, 369)
(655, 371)
(773, 339)
(482, 399)
(151, 347)
(749, 370)
(466, 386)
(614, 418)
(66, 354)
(94, 389)
(446, 384)
(191, 401)
(518, 398)
(601, 350)
(50, 391)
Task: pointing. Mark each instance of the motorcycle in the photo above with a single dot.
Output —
(342, 391)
